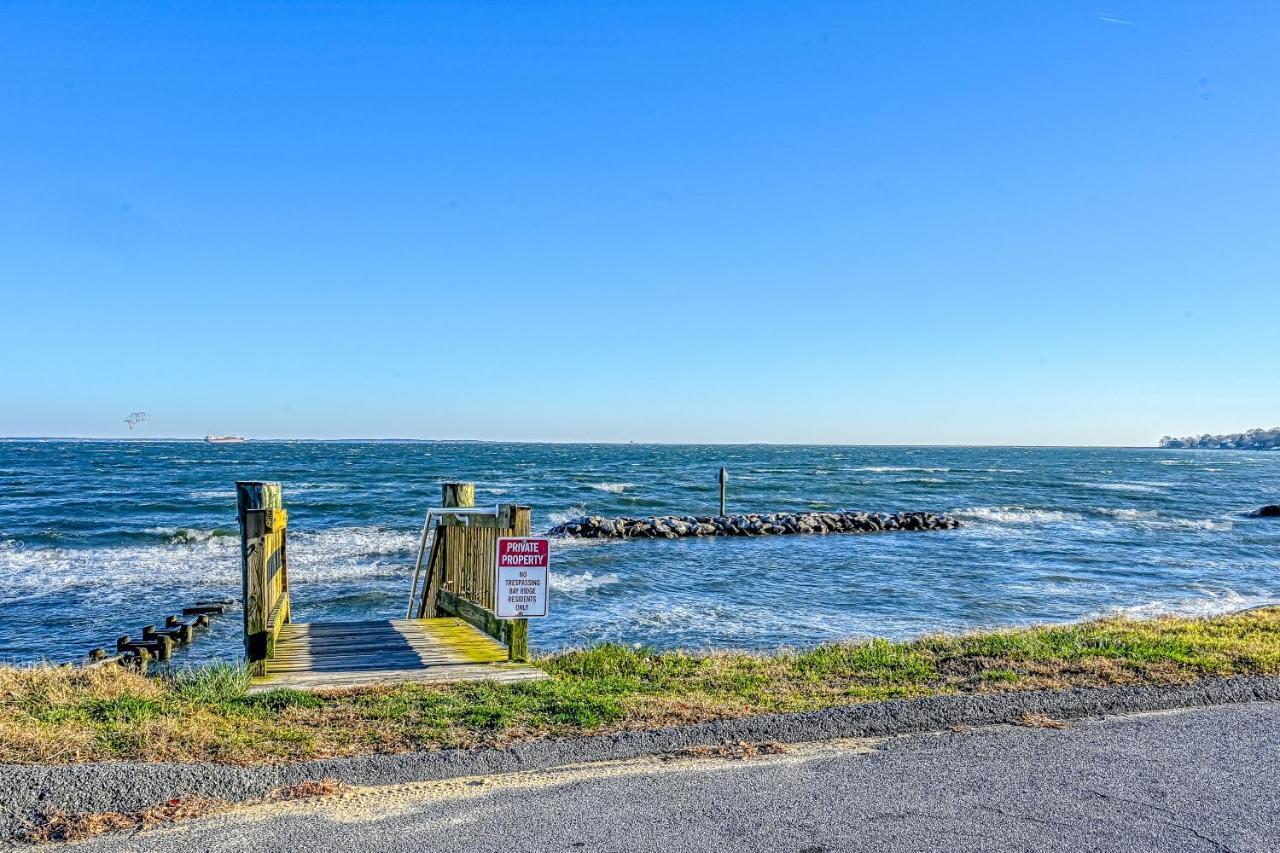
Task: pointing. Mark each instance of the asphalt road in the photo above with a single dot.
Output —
(1201, 779)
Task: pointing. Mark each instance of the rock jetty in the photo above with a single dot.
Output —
(770, 524)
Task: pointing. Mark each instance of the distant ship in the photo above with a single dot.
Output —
(225, 439)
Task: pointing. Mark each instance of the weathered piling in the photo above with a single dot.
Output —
(206, 609)
(159, 643)
(770, 524)
(265, 568)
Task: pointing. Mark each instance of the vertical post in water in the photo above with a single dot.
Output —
(254, 501)
(724, 485)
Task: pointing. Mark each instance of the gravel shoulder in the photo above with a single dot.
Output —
(30, 791)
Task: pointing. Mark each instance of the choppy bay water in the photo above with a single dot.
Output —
(98, 538)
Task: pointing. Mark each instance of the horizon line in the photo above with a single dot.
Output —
(402, 440)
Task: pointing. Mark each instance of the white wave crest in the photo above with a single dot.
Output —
(582, 582)
(1199, 523)
(1152, 519)
(213, 494)
(1128, 514)
(190, 535)
(1018, 515)
(1125, 487)
(566, 516)
(612, 488)
(1210, 603)
(208, 558)
(898, 469)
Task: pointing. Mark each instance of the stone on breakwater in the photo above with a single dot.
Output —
(770, 524)
(1268, 511)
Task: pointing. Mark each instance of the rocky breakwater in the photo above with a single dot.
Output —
(770, 524)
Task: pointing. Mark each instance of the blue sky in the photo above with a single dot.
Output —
(1033, 223)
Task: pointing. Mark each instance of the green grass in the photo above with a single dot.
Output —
(66, 714)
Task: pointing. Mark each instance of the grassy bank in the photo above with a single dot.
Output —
(50, 714)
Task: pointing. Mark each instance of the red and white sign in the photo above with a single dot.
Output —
(522, 575)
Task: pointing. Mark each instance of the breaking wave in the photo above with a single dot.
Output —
(1210, 603)
(200, 558)
(213, 494)
(1125, 487)
(582, 582)
(612, 488)
(1018, 515)
(1150, 518)
(567, 515)
(190, 536)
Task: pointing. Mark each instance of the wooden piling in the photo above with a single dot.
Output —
(205, 610)
(462, 495)
(174, 633)
(264, 564)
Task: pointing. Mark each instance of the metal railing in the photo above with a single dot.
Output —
(428, 537)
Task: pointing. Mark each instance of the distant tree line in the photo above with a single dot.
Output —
(1254, 439)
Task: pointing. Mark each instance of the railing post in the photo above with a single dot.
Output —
(515, 632)
(256, 506)
(463, 496)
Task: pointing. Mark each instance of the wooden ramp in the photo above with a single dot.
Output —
(341, 655)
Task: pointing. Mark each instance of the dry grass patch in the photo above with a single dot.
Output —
(60, 826)
(308, 790)
(740, 751)
(1041, 721)
(63, 827)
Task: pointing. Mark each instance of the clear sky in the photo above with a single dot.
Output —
(956, 222)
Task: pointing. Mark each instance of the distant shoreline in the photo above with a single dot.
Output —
(1254, 439)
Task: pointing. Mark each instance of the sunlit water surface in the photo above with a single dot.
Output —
(99, 538)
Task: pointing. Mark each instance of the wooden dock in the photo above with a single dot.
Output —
(456, 635)
(341, 655)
